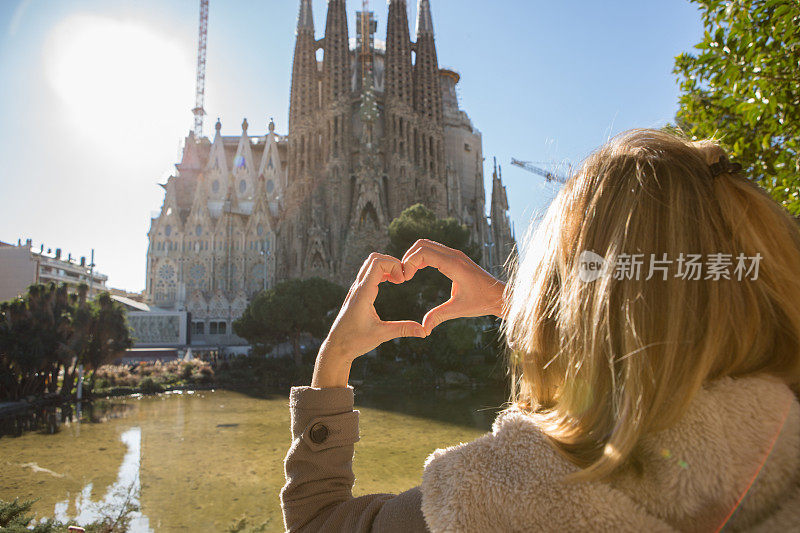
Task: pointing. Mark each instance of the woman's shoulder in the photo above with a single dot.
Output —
(511, 479)
(506, 455)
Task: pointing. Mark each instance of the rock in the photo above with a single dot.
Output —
(455, 379)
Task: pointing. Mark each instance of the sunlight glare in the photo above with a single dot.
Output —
(121, 83)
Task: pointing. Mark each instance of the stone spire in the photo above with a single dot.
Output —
(243, 164)
(217, 162)
(427, 89)
(398, 54)
(502, 237)
(336, 62)
(304, 69)
(424, 18)
(305, 19)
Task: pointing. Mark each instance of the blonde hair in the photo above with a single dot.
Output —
(600, 363)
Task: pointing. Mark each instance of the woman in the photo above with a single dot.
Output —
(654, 333)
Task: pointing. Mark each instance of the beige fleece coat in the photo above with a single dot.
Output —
(733, 460)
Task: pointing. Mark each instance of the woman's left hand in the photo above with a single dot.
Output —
(358, 329)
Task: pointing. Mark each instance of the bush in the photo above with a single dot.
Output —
(186, 370)
(417, 377)
(148, 386)
(14, 518)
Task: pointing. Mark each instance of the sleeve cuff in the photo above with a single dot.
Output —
(323, 418)
(325, 401)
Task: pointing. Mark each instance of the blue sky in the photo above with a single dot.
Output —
(95, 97)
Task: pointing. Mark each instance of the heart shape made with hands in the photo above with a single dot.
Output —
(413, 298)
(359, 329)
(473, 291)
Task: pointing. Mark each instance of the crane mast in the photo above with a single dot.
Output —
(200, 91)
(530, 167)
(364, 35)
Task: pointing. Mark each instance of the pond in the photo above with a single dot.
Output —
(204, 459)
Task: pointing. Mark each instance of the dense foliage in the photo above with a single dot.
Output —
(46, 334)
(287, 311)
(742, 87)
(15, 518)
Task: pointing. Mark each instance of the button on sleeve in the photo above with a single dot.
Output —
(318, 433)
(325, 432)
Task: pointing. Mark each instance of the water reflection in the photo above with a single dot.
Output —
(202, 461)
(50, 419)
(121, 498)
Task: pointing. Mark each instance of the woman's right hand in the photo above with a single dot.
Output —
(475, 292)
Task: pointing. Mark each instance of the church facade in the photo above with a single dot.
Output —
(373, 128)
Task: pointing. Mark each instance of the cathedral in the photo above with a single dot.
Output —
(374, 127)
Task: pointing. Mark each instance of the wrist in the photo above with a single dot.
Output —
(333, 351)
(332, 367)
(499, 291)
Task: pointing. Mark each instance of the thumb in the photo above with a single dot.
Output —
(437, 315)
(401, 328)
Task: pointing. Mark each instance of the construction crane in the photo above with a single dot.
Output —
(200, 91)
(530, 167)
(367, 25)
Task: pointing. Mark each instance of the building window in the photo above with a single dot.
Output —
(168, 230)
(198, 230)
(242, 186)
(215, 186)
(217, 328)
(198, 328)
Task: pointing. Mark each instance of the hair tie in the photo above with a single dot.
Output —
(723, 166)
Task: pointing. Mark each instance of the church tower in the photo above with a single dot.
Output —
(337, 134)
(303, 151)
(502, 243)
(429, 134)
(400, 120)
(304, 101)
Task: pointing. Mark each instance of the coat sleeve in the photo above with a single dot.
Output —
(318, 494)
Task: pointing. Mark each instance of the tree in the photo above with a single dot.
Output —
(109, 334)
(34, 333)
(743, 89)
(49, 332)
(293, 307)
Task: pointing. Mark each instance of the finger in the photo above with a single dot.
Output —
(445, 261)
(364, 267)
(381, 268)
(401, 328)
(447, 311)
(380, 261)
(427, 242)
(420, 243)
